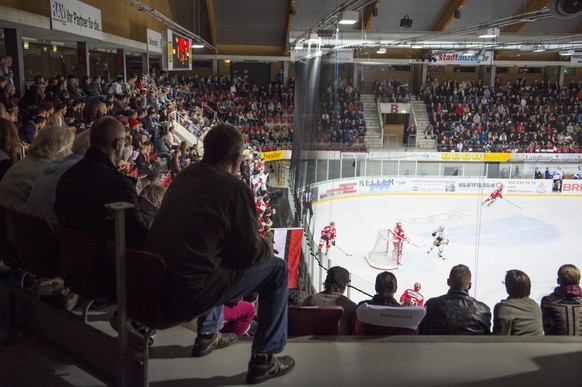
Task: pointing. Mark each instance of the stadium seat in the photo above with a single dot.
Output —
(36, 245)
(378, 320)
(304, 321)
(78, 251)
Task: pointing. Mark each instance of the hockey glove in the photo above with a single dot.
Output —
(434, 234)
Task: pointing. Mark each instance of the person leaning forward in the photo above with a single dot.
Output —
(206, 229)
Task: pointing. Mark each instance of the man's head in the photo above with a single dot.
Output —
(224, 145)
(460, 278)
(337, 279)
(108, 135)
(568, 275)
(517, 283)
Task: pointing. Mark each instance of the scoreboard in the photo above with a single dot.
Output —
(177, 55)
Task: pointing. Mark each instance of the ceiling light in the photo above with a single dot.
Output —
(299, 46)
(197, 45)
(539, 48)
(348, 17)
(567, 52)
(488, 33)
(416, 45)
(381, 50)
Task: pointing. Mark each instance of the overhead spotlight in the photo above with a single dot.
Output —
(375, 12)
(567, 53)
(406, 22)
(539, 48)
(348, 17)
(488, 33)
(381, 50)
(458, 14)
(416, 45)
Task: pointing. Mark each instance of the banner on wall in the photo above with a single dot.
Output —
(76, 18)
(462, 58)
(576, 61)
(154, 41)
(288, 243)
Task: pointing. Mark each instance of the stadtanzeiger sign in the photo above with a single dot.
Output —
(76, 18)
(461, 58)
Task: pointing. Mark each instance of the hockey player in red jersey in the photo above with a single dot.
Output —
(328, 235)
(399, 238)
(494, 195)
(412, 297)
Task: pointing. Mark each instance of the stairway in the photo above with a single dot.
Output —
(422, 122)
(373, 126)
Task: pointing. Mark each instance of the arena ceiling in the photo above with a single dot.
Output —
(273, 27)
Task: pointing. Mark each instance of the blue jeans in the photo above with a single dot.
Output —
(269, 279)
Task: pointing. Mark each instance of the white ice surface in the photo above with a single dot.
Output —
(537, 239)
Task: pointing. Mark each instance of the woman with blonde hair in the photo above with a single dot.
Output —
(52, 142)
(9, 145)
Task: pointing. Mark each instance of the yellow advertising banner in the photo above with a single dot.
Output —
(446, 156)
(477, 156)
(273, 156)
(456, 156)
(497, 157)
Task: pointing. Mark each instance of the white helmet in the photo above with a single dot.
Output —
(399, 224)
(441, 228)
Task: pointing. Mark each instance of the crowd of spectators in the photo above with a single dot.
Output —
(391, 90)
(341, 120)
(519, 117)
(457, 313)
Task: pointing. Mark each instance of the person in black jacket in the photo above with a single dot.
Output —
(87, 186)
(456, 313)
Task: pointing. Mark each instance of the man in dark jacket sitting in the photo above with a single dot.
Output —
(456, 313)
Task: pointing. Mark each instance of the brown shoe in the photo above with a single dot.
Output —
(265, 367)
(204, 345)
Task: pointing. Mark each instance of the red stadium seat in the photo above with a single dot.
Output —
(308, 321)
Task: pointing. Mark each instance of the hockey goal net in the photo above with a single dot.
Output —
(387, 251)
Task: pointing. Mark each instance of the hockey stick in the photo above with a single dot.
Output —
(513, 204)
(340, 249)
(412, 243)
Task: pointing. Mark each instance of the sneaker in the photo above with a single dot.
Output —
(137, 331)
(204, 345)
(265, 367)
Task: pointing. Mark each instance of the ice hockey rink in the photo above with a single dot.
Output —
(537, 239)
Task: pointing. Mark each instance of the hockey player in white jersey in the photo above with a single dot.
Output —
(441, 240)
(557, 177)
(578, 174)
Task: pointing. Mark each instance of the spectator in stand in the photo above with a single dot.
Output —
(149, 202)
(9, 145)
(87, 186)
(538, 174)
(386, 286)
(175, 164)
(31, 129)
(162, 148)
(238, 318)
(184, 159)
(242, 261)
(145, 165)
(456, 313)
(34, 96)
(562, 310)
(518, 315)
(6, 69)
(173, 138)
(58, 117)
(105, 75)
(41, 201)
(335, 285)
(52, 143)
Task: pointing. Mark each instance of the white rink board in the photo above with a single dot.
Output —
(537, 239)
